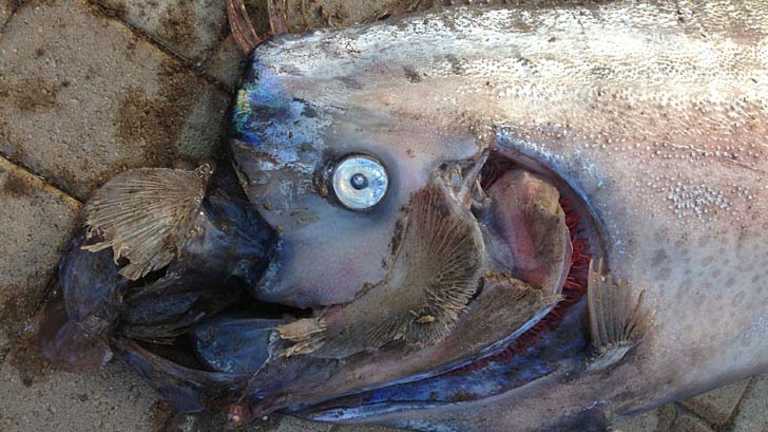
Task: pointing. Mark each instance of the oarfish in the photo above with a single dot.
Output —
(532, 218)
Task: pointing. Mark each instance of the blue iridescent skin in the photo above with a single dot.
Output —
(283, 147)
(234, 345)
(90, 288)
(190, 390)
(562, 349)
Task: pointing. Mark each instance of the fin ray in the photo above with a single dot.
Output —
(617, 321)
(145, 216)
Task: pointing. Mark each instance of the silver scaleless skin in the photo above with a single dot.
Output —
(655, 113)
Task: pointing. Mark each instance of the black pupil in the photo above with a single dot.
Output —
(359, 181)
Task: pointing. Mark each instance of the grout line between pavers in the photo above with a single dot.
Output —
(40, 181)
(729, 425)
(684, 409)
(111, 14)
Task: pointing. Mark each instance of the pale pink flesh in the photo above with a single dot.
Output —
(526, 231)
(539, 253)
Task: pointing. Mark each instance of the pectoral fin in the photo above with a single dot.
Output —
(435, 274)
(618, 321)
(145, 216)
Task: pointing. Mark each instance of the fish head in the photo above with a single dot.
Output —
(297, 150)
(653, 132)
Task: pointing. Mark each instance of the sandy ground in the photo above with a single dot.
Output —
(147, 83)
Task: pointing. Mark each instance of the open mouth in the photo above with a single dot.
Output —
(537, 349)
(202, 343)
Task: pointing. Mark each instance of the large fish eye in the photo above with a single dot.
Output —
(359, 182)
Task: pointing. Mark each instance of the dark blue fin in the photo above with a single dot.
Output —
(74, 331)
(234, 345)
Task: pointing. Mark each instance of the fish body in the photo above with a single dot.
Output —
(555, 215)
(655, 114)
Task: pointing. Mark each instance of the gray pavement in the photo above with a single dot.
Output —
(191, 29)
(112, 400)
(752, 415)
(738, 407)
(717, 407)
(88, 89)
(226, 64)
(6, 8)
(35, 224)
(97, 98)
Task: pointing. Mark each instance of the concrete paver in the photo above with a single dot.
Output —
(717, 406)
(97, 98)
(292, 424)
(271, 423)
(358, 428)
(658, 420)
(753, 410)
(6, 9)
(111, 400)
(641, 423)
(189, 28)
(686, 422)
(227, 64)
(35, 223)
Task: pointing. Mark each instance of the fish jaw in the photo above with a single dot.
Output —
(659, 129)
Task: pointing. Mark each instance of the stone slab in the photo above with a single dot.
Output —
(192, 29)
(717, 406)
(170, 422)
(6, 10)
(227, 64)
(753, 411)
(97, 98)
(647, 422)
(111, 400)
(36, 221)
(658, 420)
(687, 422)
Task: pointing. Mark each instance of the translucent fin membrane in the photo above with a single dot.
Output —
(617, 320)
(145, 216)
(435, 274)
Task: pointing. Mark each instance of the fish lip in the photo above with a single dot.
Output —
(366, 412)
(340, 410)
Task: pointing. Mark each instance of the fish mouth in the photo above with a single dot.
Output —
(548, 344)
(225, 353)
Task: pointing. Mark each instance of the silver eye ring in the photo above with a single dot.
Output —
(359, 182)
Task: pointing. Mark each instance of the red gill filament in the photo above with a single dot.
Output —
(574, 288)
